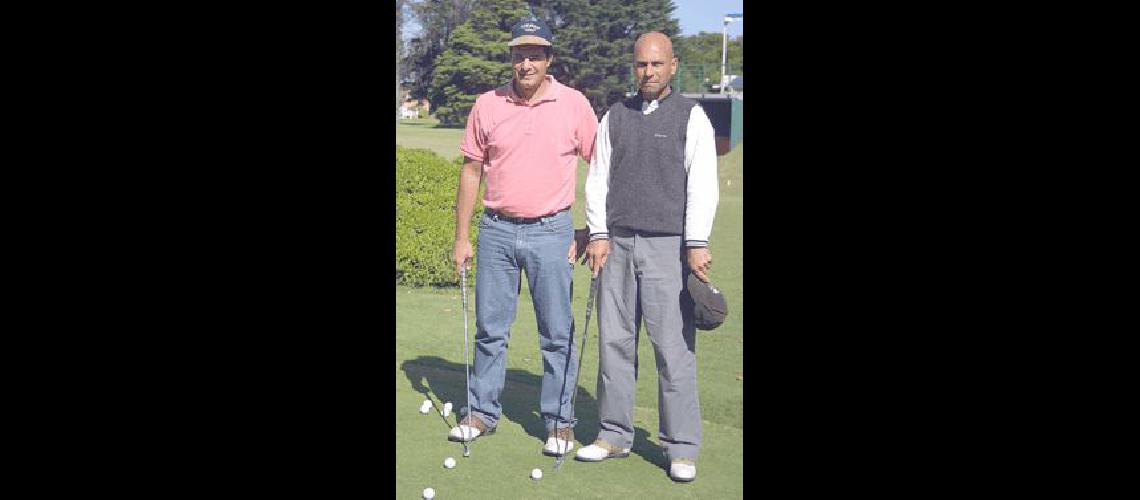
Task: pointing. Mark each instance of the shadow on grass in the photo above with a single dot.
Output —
(442, 380)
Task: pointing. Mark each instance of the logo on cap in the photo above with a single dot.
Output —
(529, 27)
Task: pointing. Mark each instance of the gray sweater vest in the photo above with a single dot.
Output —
(648, 181)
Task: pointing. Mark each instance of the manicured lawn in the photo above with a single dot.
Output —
(426, 133)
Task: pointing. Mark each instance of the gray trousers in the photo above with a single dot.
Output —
(643, 278)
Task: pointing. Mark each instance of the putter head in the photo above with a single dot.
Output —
(466, 452)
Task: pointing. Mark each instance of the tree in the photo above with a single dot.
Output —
(437, 20)
(476, 60)
(453, 62)
(699, 57)
(399, 49)
(594, 42)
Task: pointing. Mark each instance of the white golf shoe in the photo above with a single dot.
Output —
(599, 451)
(463, 433)
(560, 442)
(468, 429)
(683, 470)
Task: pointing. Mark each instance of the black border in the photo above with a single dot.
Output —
(261, 222)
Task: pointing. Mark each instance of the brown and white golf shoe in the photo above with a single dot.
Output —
(559, 442)
(601, 450)
(468, 429)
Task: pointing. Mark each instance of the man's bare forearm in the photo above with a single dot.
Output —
(469, 179)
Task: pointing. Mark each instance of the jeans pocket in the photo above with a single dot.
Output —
(558, 225)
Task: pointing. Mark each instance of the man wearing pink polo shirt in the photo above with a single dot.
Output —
(524, 139)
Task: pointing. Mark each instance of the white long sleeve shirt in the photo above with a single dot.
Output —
(703, 188)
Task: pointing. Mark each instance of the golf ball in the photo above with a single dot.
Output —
(449, 463)
(536, 474)
(429, 493)
(425, 409)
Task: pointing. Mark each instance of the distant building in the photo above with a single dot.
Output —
(407, 112)
(412, 108)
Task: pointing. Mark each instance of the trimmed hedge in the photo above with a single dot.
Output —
(425, 218)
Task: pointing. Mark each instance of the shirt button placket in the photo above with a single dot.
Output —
(529, 119)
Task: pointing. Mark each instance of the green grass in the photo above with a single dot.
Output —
(426, 133)
(430, 361)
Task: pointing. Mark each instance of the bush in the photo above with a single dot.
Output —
(425, 218)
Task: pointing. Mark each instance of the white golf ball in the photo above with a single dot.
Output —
(536, 474)
(449, 463)
(429, 493)
(425, 409)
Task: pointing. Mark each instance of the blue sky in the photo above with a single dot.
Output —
(708, 15)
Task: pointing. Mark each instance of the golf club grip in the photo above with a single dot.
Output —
(463, 282)
(463, 274)
(590, 300)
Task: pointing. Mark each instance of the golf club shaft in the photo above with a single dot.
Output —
(585, 335)
(466, 357)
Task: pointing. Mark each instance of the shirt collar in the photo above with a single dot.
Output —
(651, 105)
(551, 94)
(654, 103)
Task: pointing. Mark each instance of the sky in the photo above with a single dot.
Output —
(694, 15)
(708, 15)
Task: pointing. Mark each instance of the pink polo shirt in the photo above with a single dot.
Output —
(529, 151)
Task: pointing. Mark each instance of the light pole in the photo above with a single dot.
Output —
(728, 18)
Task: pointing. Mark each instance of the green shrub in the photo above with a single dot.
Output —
(425, 218)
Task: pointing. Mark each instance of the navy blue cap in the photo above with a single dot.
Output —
(530, 32)
(709, 306)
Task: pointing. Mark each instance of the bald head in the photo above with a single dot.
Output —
(653, 64)
(654, 39)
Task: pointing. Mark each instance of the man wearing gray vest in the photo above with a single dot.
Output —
(651, 195)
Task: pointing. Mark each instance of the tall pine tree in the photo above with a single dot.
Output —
(593, 48)
(438, 20)
(476, 60)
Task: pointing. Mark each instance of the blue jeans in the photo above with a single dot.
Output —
(505, 249)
